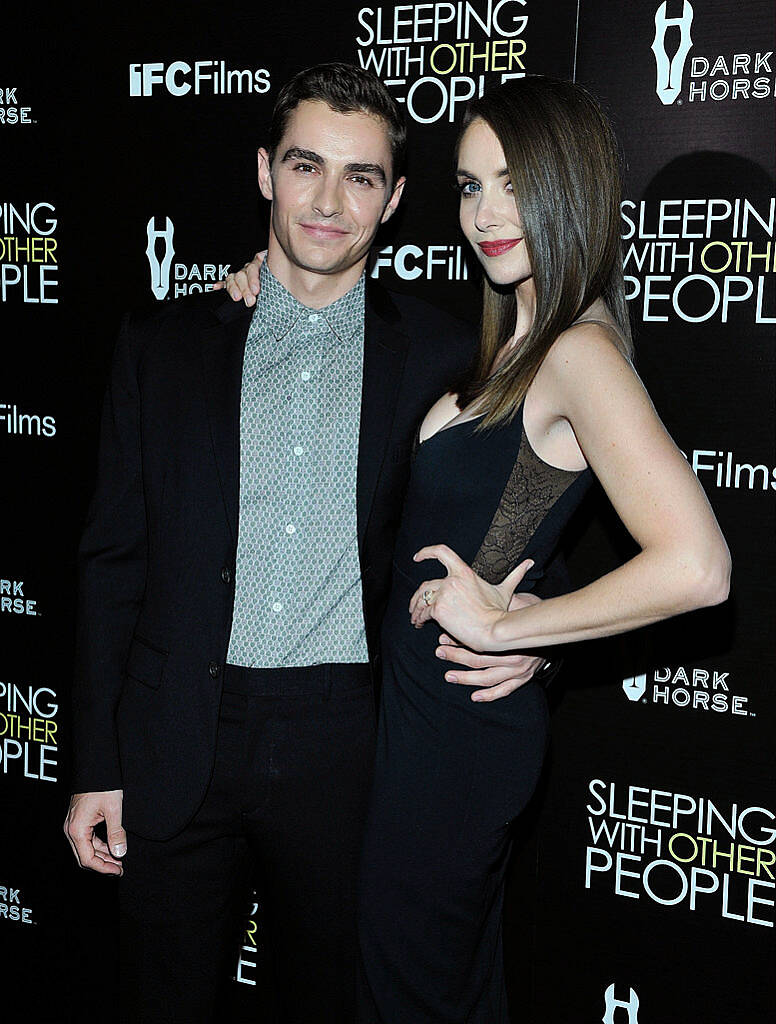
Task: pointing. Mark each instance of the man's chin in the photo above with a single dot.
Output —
(318, 261)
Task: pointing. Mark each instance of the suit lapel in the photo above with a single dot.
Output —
(385, 351)
(223, 348)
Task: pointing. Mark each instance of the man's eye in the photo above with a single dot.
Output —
(360, 179)
(305, 167)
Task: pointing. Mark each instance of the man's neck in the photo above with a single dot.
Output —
(313, 290)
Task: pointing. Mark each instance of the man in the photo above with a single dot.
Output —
(224, 693)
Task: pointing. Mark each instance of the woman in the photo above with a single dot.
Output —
(499, 469)
(500, 466)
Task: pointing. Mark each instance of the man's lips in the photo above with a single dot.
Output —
(322, 231)
(500, 247)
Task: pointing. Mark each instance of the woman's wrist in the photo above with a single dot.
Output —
(495, 638)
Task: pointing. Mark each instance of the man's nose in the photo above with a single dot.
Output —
(328, 197)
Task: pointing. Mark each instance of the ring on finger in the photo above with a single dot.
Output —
(427, 596)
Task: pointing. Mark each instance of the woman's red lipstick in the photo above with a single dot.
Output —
(500, 247)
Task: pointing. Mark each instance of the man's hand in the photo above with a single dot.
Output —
(245, 283)
(500, 674)
(86, 811)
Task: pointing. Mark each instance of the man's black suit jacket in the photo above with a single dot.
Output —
(157, 559)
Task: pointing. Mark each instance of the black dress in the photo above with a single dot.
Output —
(451, 774)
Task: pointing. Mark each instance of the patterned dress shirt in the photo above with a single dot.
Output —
(298, 579)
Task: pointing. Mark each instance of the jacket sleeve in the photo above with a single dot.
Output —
(111, 577)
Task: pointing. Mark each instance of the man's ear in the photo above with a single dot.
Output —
(265, 173)
(393, 202)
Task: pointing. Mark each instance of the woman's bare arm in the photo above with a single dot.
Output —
(683, 563)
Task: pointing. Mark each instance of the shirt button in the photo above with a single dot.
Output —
(290, 528)
(226, 574)
(298, 449)
(305, 374)
(277, 607)
(214, 668)
(314, 318)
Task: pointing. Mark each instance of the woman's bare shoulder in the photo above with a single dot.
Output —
(587, 348)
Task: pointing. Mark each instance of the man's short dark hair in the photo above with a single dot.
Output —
(345, 88)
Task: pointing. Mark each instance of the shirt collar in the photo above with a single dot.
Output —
(279, 311)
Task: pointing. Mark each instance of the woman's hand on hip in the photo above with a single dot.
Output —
(464, 604)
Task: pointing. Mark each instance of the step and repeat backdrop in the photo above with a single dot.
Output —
(642, 886)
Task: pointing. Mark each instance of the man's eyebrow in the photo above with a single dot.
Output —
(375, 169)
(295, 153)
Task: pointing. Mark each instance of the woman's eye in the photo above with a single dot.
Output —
(468, 188)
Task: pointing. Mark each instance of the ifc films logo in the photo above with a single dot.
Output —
(671, 69)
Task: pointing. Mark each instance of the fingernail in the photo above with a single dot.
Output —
(120, 850)
(441, 654)
(475, 697)
(444, 639)
(451, 678)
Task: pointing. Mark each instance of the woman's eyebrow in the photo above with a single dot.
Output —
(462, 173)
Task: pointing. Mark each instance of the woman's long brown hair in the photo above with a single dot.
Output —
(563, 162)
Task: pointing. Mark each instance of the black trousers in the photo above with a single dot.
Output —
(287, 803)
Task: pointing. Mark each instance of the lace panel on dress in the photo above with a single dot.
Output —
(531, 491)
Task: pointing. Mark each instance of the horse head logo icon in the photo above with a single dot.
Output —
(160, 268)
(635, 686)
(670, 70)
(632, 1006)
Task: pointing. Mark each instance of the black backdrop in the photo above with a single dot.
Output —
(642, 888)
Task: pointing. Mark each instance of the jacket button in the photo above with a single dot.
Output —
(214, 668)
(226, 574)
